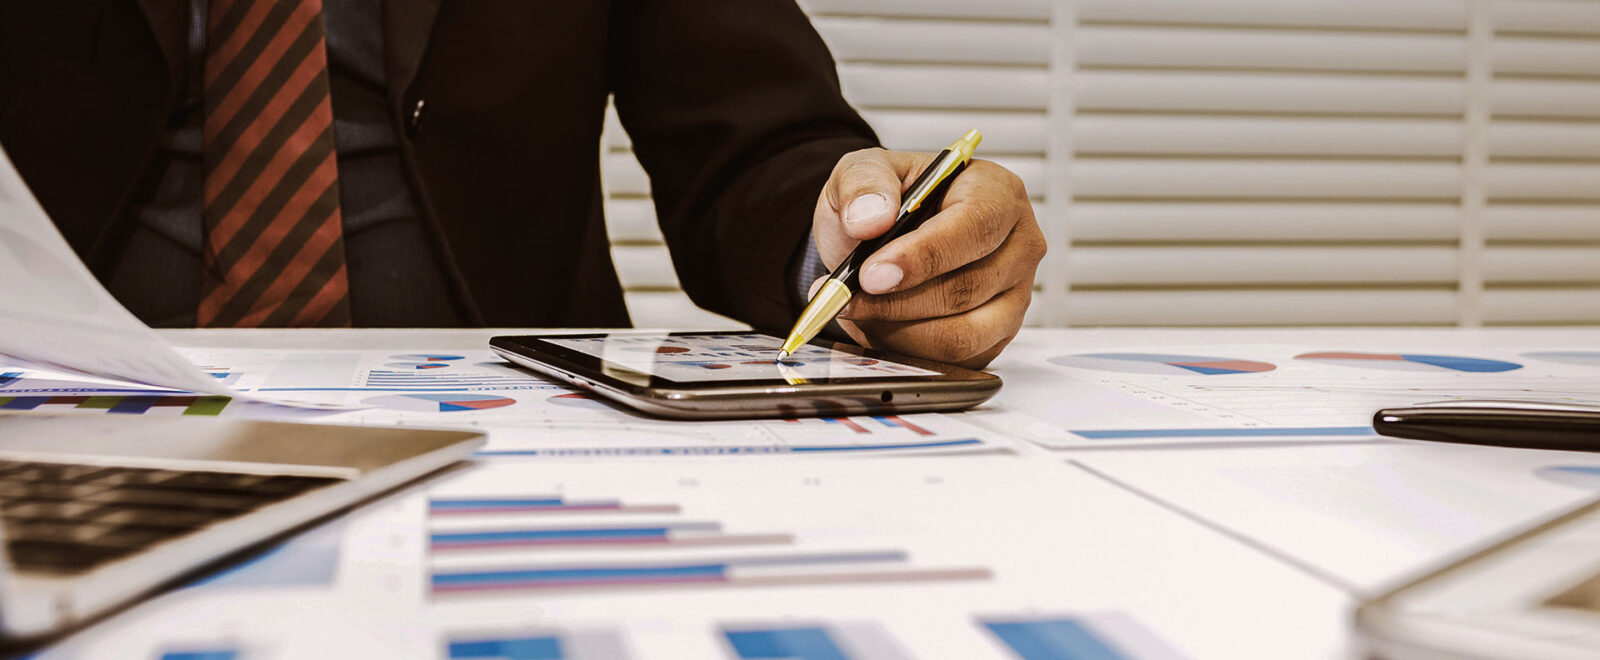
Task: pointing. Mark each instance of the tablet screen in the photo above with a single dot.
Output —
(710, 358)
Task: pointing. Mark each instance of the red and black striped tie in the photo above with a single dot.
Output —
(274, 247)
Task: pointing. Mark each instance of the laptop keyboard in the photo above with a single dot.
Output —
(63, 518)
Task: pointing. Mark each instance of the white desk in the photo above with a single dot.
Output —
(1224, 549)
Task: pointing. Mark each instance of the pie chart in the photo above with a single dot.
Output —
(1581, 476)
(439, 402)
(577, 400)
(1580, 358)
(1161, 363)
(1409, 362)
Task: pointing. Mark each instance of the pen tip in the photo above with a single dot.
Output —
(781, 355)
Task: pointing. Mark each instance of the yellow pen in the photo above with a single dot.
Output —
(920, 203)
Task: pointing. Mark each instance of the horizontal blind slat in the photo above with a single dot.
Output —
(1034, 10)
(1522, 139)
(1372, 14)
(1261, 221)
(1542, 222)
(612, 135)
(1270, 265)
(1545, 98)
(918, 130)
(1553, 181)
(1261, 307)
(632, 220)
(1541, 305)
(1211, 48)
(1545, 56)
(902, 40)
(1547, 16)
(1161, 91)
(644, 267)
(943, 87)
(624, 175)
(1541, 264)
(1263, 178)
(1159, 134)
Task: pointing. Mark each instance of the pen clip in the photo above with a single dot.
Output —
(945, 165)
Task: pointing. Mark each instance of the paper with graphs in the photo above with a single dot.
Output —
(56, 313)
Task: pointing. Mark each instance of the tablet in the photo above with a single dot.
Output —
(1535, 594)
(723, 375)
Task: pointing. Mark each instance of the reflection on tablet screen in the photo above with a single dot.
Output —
(729, 357)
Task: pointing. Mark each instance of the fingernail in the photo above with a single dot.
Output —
(881, 277)
(865, 208)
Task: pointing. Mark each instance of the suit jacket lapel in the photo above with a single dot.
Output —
(406, 26)
(169, 21)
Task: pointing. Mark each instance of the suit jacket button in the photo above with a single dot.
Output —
(414, 118)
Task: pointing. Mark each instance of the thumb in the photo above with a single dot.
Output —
(866, 190)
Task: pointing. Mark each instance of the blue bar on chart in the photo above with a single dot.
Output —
(1249, 432)
(577, 577)
(627, 534)
(10, 377)
(461, 506)
(525, 648)
(599, 645)
(806, 643)
(812, 641)
(494, 504)
(734, 450)
(853, 567)
(1052, 639)
(202, 654)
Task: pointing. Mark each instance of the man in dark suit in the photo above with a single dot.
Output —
(426, 163)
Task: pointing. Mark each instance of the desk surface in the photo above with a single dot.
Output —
(1168, 545)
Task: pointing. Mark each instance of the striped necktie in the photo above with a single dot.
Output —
(274, 247)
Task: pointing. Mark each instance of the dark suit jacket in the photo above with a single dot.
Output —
(733, 107)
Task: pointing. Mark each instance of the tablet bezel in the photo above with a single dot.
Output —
(950, 388)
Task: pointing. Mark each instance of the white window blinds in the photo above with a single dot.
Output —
(1240, 162)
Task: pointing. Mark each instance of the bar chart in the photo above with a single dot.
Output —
(536, 543)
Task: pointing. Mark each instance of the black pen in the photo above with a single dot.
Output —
(1520, 424)
(921, 201)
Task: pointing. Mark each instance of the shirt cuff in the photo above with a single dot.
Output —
(811, 268)
(807, 271)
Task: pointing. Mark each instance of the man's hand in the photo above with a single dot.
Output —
(953, 290)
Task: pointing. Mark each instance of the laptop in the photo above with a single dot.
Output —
(99, 510)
